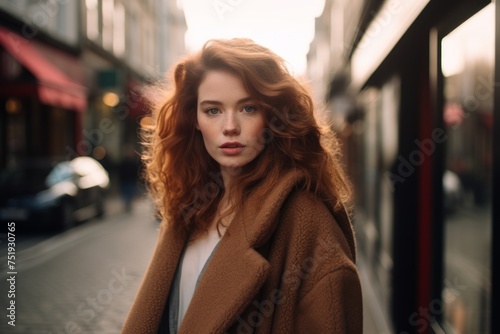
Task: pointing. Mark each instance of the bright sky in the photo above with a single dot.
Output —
(284, 26)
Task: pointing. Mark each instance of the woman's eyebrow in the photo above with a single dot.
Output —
(211, 102)
(245, 99)
(215, 102)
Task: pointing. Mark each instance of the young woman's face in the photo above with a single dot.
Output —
(230, 121)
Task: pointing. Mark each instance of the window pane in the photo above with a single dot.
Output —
(108, 11)
(468, 66)
(119, 30)
(92, 19)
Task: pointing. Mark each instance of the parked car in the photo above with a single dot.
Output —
(47, 195)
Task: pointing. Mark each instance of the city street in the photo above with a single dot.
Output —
(82, 280)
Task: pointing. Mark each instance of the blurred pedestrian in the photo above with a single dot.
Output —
(128, 173)
(255, 236)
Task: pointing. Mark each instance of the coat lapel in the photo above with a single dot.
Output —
(236, 271)
(230, 282)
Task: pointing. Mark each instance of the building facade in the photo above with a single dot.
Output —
(420, 123)
(73, 72)
(127, 45)
(41, 79)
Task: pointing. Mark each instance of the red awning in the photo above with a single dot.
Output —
(54, 87)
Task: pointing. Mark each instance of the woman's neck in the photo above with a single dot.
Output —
(228, 175)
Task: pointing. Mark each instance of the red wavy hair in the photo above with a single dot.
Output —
(183, 179)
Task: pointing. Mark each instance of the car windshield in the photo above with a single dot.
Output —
(62, 171)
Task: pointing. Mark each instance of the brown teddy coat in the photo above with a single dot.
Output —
(284, 265)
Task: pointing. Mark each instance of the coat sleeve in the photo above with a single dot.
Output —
(333, 305)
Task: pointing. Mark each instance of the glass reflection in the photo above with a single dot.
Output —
(468, 66)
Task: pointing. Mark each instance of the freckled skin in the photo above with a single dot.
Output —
(227, 114)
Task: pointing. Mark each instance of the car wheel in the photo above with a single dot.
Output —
(66, 216)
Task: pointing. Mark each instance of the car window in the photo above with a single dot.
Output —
(61, 172)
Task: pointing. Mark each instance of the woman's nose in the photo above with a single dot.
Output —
(231, 124)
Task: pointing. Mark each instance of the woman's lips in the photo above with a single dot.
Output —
(232, 148)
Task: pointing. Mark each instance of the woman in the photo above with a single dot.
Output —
(254, 237)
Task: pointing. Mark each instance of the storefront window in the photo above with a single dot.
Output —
(468, 65)
(16, 134)
(375, 204)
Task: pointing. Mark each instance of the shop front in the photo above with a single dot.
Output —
(427, 157)
(41, 105)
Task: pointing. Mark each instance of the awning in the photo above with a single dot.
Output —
(53, 86)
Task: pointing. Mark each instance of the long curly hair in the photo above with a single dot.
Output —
(185, 181)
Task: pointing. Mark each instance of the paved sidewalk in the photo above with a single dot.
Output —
(374, 321)
(83, 280)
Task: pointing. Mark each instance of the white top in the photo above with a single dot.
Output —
(195, 257)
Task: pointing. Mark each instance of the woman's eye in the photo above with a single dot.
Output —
(212, 111)
(249, 108)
